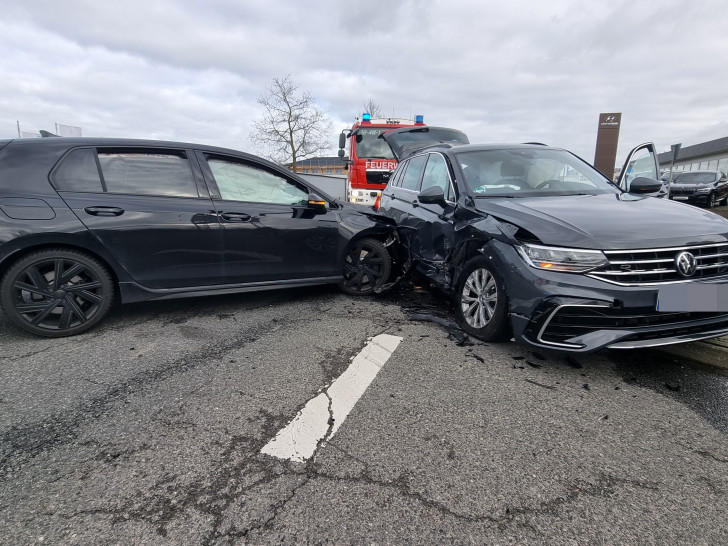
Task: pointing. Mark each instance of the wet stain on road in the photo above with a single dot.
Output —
(703, 390)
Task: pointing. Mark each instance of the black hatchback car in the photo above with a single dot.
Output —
(83, 220)
(707, 188)
(532, 241)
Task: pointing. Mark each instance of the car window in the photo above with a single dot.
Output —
(241, 182)
(411, 177)
(397, 176)
(147, 173)
(529, 172)
(78, 172)
(641, 164)
(436, 174)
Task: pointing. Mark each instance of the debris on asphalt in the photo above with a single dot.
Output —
(454, 331)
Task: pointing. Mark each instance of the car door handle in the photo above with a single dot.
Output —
(235, 216)
(104, 211)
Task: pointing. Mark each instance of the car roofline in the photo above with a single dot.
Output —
(116, 142)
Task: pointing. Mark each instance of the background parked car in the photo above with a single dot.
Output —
(83, 219)
(707, 188)
(532, 241)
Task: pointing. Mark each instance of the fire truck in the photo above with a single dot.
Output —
(371, 160)
(375, 146)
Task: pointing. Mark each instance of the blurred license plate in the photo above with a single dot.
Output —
(693, 297)
(680, 197)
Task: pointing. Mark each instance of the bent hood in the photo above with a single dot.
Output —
(609, 222)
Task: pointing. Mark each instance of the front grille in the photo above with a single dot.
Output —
(646, 324)
(681, 191)
(655, 266)
(378, 177)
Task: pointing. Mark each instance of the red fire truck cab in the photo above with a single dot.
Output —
(372, 160)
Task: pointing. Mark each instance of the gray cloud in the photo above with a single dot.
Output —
(516, 71)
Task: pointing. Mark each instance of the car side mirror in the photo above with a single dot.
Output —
(432, 196)
(316, 203)
(642, 185)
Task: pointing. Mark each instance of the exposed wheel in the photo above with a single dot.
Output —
(367, 265)
(480, 301)
(724, 201)
(56, 292)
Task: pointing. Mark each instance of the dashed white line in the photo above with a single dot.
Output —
(300, 438)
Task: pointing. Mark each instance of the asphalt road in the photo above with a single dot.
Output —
(149, 430)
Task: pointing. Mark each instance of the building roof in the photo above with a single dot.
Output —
(712, 147)
(318, 161)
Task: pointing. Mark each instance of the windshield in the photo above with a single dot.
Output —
(369, 145)
(695, 178)
(530, 173)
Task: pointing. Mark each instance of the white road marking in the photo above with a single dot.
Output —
(300, 438)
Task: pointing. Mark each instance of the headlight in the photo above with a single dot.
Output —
(703, 190)
(562, 259)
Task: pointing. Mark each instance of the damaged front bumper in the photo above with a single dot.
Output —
(573, 312)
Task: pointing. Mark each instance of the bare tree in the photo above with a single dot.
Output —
(373, 108)
(292, 127)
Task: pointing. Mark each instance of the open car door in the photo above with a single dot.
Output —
(642, 162)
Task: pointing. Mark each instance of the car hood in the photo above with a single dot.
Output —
(609, 222)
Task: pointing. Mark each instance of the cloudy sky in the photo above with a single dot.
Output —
(508, 71)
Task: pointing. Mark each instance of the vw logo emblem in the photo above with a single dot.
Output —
(686, 264)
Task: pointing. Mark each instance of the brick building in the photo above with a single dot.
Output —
(321, 165)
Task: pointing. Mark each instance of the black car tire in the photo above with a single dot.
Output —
(711, 201)
(366, 267)
(39, 300)
(481, 302)
(724, 201)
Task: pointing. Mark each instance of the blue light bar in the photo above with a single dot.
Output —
(419, 119)
(366, 116)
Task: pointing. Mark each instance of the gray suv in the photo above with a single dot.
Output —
(533, 242)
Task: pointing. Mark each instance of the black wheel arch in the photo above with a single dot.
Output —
(103, 258)
(381, 234)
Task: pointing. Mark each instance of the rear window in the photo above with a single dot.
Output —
(126, 171)
(78, 172)
(147, 174)
(411, 177)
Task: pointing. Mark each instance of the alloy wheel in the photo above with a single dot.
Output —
(366, 267)
(479, 298)
(56, 294)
